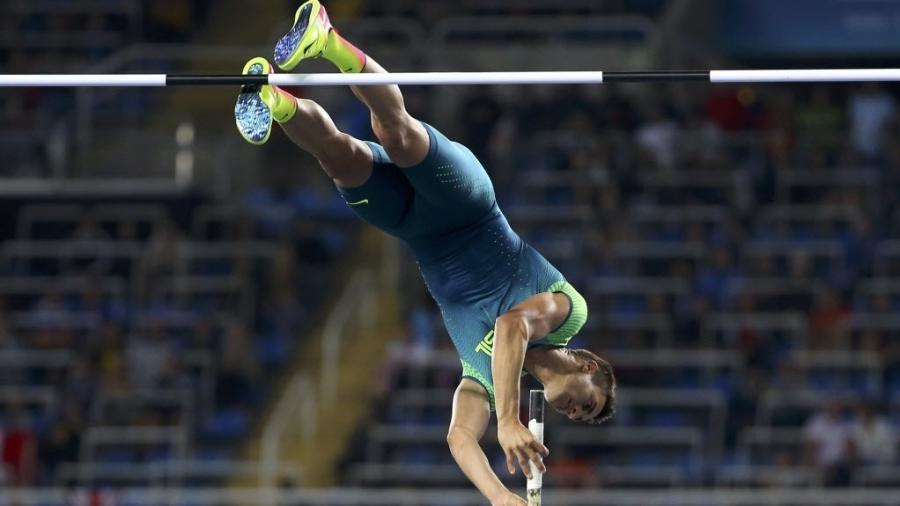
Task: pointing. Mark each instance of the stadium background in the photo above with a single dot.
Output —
(185, 318)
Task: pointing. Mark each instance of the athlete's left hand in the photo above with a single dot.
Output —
(519, 444)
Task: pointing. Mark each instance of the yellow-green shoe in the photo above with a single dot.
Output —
(252, 114)
(307, 38)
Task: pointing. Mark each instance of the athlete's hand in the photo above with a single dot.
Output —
(519, 445)
(508, 499)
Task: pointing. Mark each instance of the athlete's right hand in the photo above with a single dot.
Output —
(508, 499)
(520, 446)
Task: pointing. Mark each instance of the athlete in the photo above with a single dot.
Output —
(506, 308)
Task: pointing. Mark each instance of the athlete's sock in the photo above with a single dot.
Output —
(284, 107)
(347, 57)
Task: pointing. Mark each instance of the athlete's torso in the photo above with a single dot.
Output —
(471, 263)
(476, 267)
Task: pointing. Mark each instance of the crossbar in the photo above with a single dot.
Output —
(450, 78)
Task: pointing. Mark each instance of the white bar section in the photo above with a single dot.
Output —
(436, 78)
(536, 482)
(804, 75)
(83, 80)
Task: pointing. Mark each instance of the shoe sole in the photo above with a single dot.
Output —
(252, 115)
(292, 48)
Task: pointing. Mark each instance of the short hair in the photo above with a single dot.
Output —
(604, 378)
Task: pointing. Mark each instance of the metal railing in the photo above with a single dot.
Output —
(303, 392)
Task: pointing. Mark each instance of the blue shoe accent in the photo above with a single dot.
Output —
(253, 116)
(287, 46)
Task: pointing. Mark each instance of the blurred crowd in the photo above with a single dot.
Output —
(632, 157)
(69, 36)
(206, 329)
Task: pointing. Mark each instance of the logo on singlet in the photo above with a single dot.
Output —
(486, 345)
(361, 202)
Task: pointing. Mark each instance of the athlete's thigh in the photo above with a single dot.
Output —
(386, 198)
(451, 180)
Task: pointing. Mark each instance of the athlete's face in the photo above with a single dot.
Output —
(575, 395)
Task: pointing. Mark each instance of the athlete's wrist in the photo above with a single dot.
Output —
(508, 421)
(498, 496)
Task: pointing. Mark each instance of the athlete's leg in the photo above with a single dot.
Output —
(445, 175)
(375, 190)
(346, 160)
(405, 139)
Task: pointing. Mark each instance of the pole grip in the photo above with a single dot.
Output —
(536, 426)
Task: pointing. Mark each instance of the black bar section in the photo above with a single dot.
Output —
(215, 80)
(649, 77)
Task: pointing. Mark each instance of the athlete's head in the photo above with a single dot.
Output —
(586, 395)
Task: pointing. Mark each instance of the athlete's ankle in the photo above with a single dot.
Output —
(341, 52)
(284, 107)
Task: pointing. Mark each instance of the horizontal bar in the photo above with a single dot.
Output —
(804, 76)
(452, 78)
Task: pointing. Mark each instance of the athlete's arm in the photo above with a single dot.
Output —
(471, 414)
(530, 320)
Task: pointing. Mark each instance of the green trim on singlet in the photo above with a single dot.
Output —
(473, 374)
(577, 316)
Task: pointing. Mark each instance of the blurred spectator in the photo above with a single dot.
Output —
(62, 442)
(714, 277)
(148, 353)
(424, 324)
(700, 143)
(659, 136)
(873, 440)
(51, 310)
(869, 110)
(819, 123)
(784, 472)
(160, 260)
(81, 383)
(478, 117)
(572, 472)
(173, 21)
(88, 229)
(239, 369)
(272, 206)
(827, 439)
(827, 323)
(728, 109)
(8, 340)
(18, 446)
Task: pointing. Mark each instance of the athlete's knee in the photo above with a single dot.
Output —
(346, 160)
(403, 138)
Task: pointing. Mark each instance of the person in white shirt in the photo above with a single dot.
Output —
(870, 109)
(827, 442)
(872, 439)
